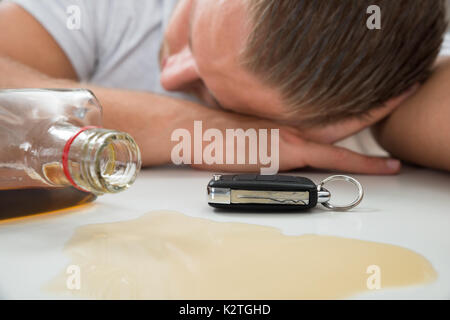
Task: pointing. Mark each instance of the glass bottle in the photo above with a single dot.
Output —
(54, 153)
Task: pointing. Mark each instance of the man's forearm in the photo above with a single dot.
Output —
(148, 117)
(419, 130)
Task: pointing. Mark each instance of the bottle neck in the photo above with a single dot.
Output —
(97, 160)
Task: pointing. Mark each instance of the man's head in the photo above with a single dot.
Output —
(306, 61)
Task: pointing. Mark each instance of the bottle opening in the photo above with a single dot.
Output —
(119, 163)
(104, 161)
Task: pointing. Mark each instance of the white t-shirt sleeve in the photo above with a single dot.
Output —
(60, 19)
(445, 49)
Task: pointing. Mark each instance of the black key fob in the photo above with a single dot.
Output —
(258, 192)
(273, 193)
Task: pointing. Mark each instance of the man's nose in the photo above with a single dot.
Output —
(179, 71)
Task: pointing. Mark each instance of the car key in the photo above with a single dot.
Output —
(275, 192)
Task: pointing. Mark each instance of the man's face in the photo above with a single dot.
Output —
(201, 54)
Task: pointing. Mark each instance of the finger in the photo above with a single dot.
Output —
(330, 157)
(345, 128)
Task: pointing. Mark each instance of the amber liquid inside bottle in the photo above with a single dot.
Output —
(19, 203)
(55, 155)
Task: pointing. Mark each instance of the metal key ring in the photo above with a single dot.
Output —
(355, 182)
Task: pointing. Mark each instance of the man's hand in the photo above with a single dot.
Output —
(297, 152)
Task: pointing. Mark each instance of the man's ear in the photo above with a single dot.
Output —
(345, 128)
(396, 101)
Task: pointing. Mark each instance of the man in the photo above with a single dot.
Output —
(311, 68)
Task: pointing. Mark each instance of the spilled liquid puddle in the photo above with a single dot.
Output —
(167, 255)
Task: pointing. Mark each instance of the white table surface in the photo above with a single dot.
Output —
(409, 210)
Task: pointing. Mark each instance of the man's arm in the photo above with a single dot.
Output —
(151, 119)
(419, 130)
(24, 39)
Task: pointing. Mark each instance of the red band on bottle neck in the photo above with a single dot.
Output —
(65, 157)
